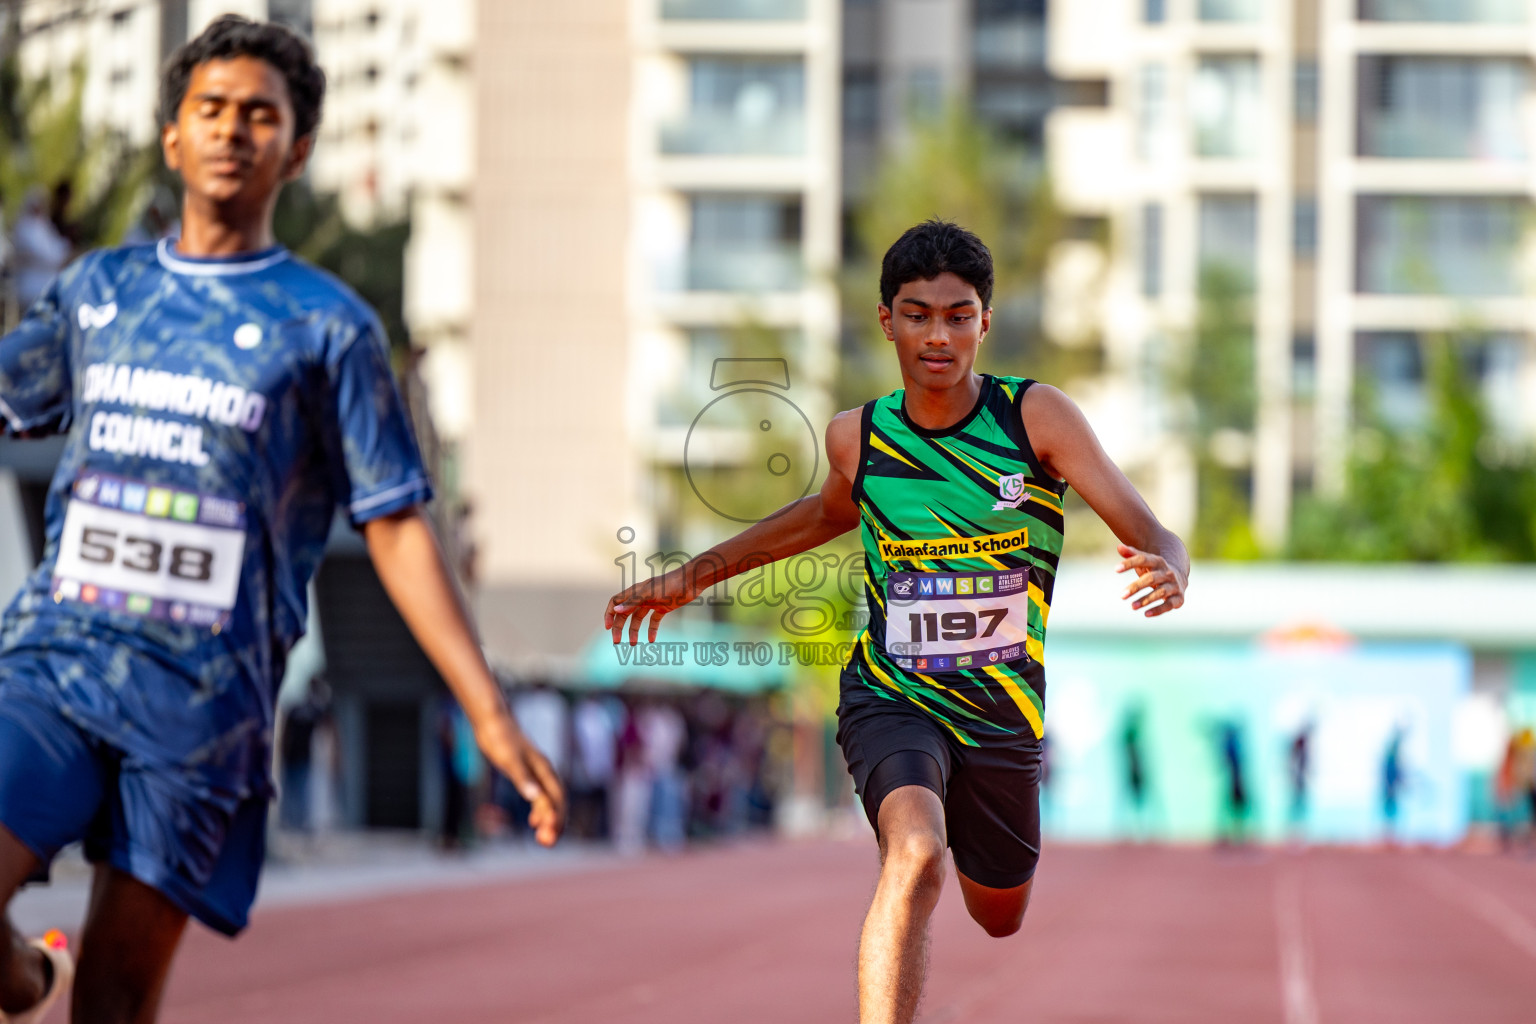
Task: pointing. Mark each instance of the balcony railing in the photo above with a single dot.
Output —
(709, 133)
(1230, 10)
(1415, 138)
(1474, 12)
(750, 270)
(733, 10)
(1011, 43)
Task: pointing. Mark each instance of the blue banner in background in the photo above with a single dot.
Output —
(1143, 737)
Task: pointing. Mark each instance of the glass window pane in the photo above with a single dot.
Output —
(1152, 250)
(1442, 107)
(741, 106)
(744, 243)
(1230, 10)
(1229, 228)
(1225, 106)
(1439, 245)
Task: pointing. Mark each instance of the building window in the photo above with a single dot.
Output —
(1228, 239)
(923, 92)
(744, 243)
(1304, 227)
(1306, 94)
(1442, 107)
(743, 106)
(1439, 245)
(861, 104)
(1154, 12)
(1009, 35)
(1225, 106)
(1152, 250)
(1393, 370)
(1304, 366)
(1153, 133)
(733, 10)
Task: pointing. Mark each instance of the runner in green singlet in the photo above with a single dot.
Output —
(956, 484)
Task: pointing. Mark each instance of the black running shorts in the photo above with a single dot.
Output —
(991, 794)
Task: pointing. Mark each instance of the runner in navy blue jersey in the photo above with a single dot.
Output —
(220, 399)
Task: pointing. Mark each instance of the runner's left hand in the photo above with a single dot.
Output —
(1155, 581)
(505, 746)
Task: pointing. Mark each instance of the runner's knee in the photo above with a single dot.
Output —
(915, 860)
(1000, 921)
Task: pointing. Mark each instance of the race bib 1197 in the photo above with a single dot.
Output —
(946, 621)
(150, 550)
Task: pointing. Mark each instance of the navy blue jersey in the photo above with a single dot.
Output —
(217, 410)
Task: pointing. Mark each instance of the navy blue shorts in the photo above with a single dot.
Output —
(59, 784)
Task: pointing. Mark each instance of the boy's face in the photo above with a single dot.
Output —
(936, 325)
(233, 139)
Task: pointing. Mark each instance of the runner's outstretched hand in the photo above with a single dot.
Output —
(505, 746)
(655, 597)
(1156, 581)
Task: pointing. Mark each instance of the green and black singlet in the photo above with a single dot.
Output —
(962, 531)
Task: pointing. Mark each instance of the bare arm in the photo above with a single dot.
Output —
(798, 526)
(410, 564)
(1068, 448)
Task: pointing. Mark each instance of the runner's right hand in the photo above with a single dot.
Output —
(656, 596)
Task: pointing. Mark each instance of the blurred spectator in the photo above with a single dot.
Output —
(1234, 816)
(300, 725)
(1393, 780)
(1515, 789)
(595, 730)
(663, 735)
(462, 770)
(39, 251)
(545, 719)
(632, 804)
(1134, 770)
(59, 200)
(1298, 766)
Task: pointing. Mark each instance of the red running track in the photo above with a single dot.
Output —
(767, 933)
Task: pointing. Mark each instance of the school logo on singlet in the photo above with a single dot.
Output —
(1012, 490)
(96, 316)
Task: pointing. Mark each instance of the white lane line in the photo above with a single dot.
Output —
(1296, 993)
(1479, 901)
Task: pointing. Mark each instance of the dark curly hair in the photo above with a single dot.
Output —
(234, 36)
(932, 248)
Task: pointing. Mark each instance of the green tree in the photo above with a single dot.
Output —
(1452, 490)
(955, 168)
(45, 145)
(1217, 374)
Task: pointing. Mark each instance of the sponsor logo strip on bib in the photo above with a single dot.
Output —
(151, 550)
(946, 621)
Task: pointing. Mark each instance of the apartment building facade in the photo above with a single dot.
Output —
(1363, 164)
(657, 196)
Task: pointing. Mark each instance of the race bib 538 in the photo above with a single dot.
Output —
(152, 551)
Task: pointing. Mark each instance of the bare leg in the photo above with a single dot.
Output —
(22, 979)
(999, 911)
(131, 934)
(894, 945)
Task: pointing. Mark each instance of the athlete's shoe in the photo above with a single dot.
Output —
(55, 947)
